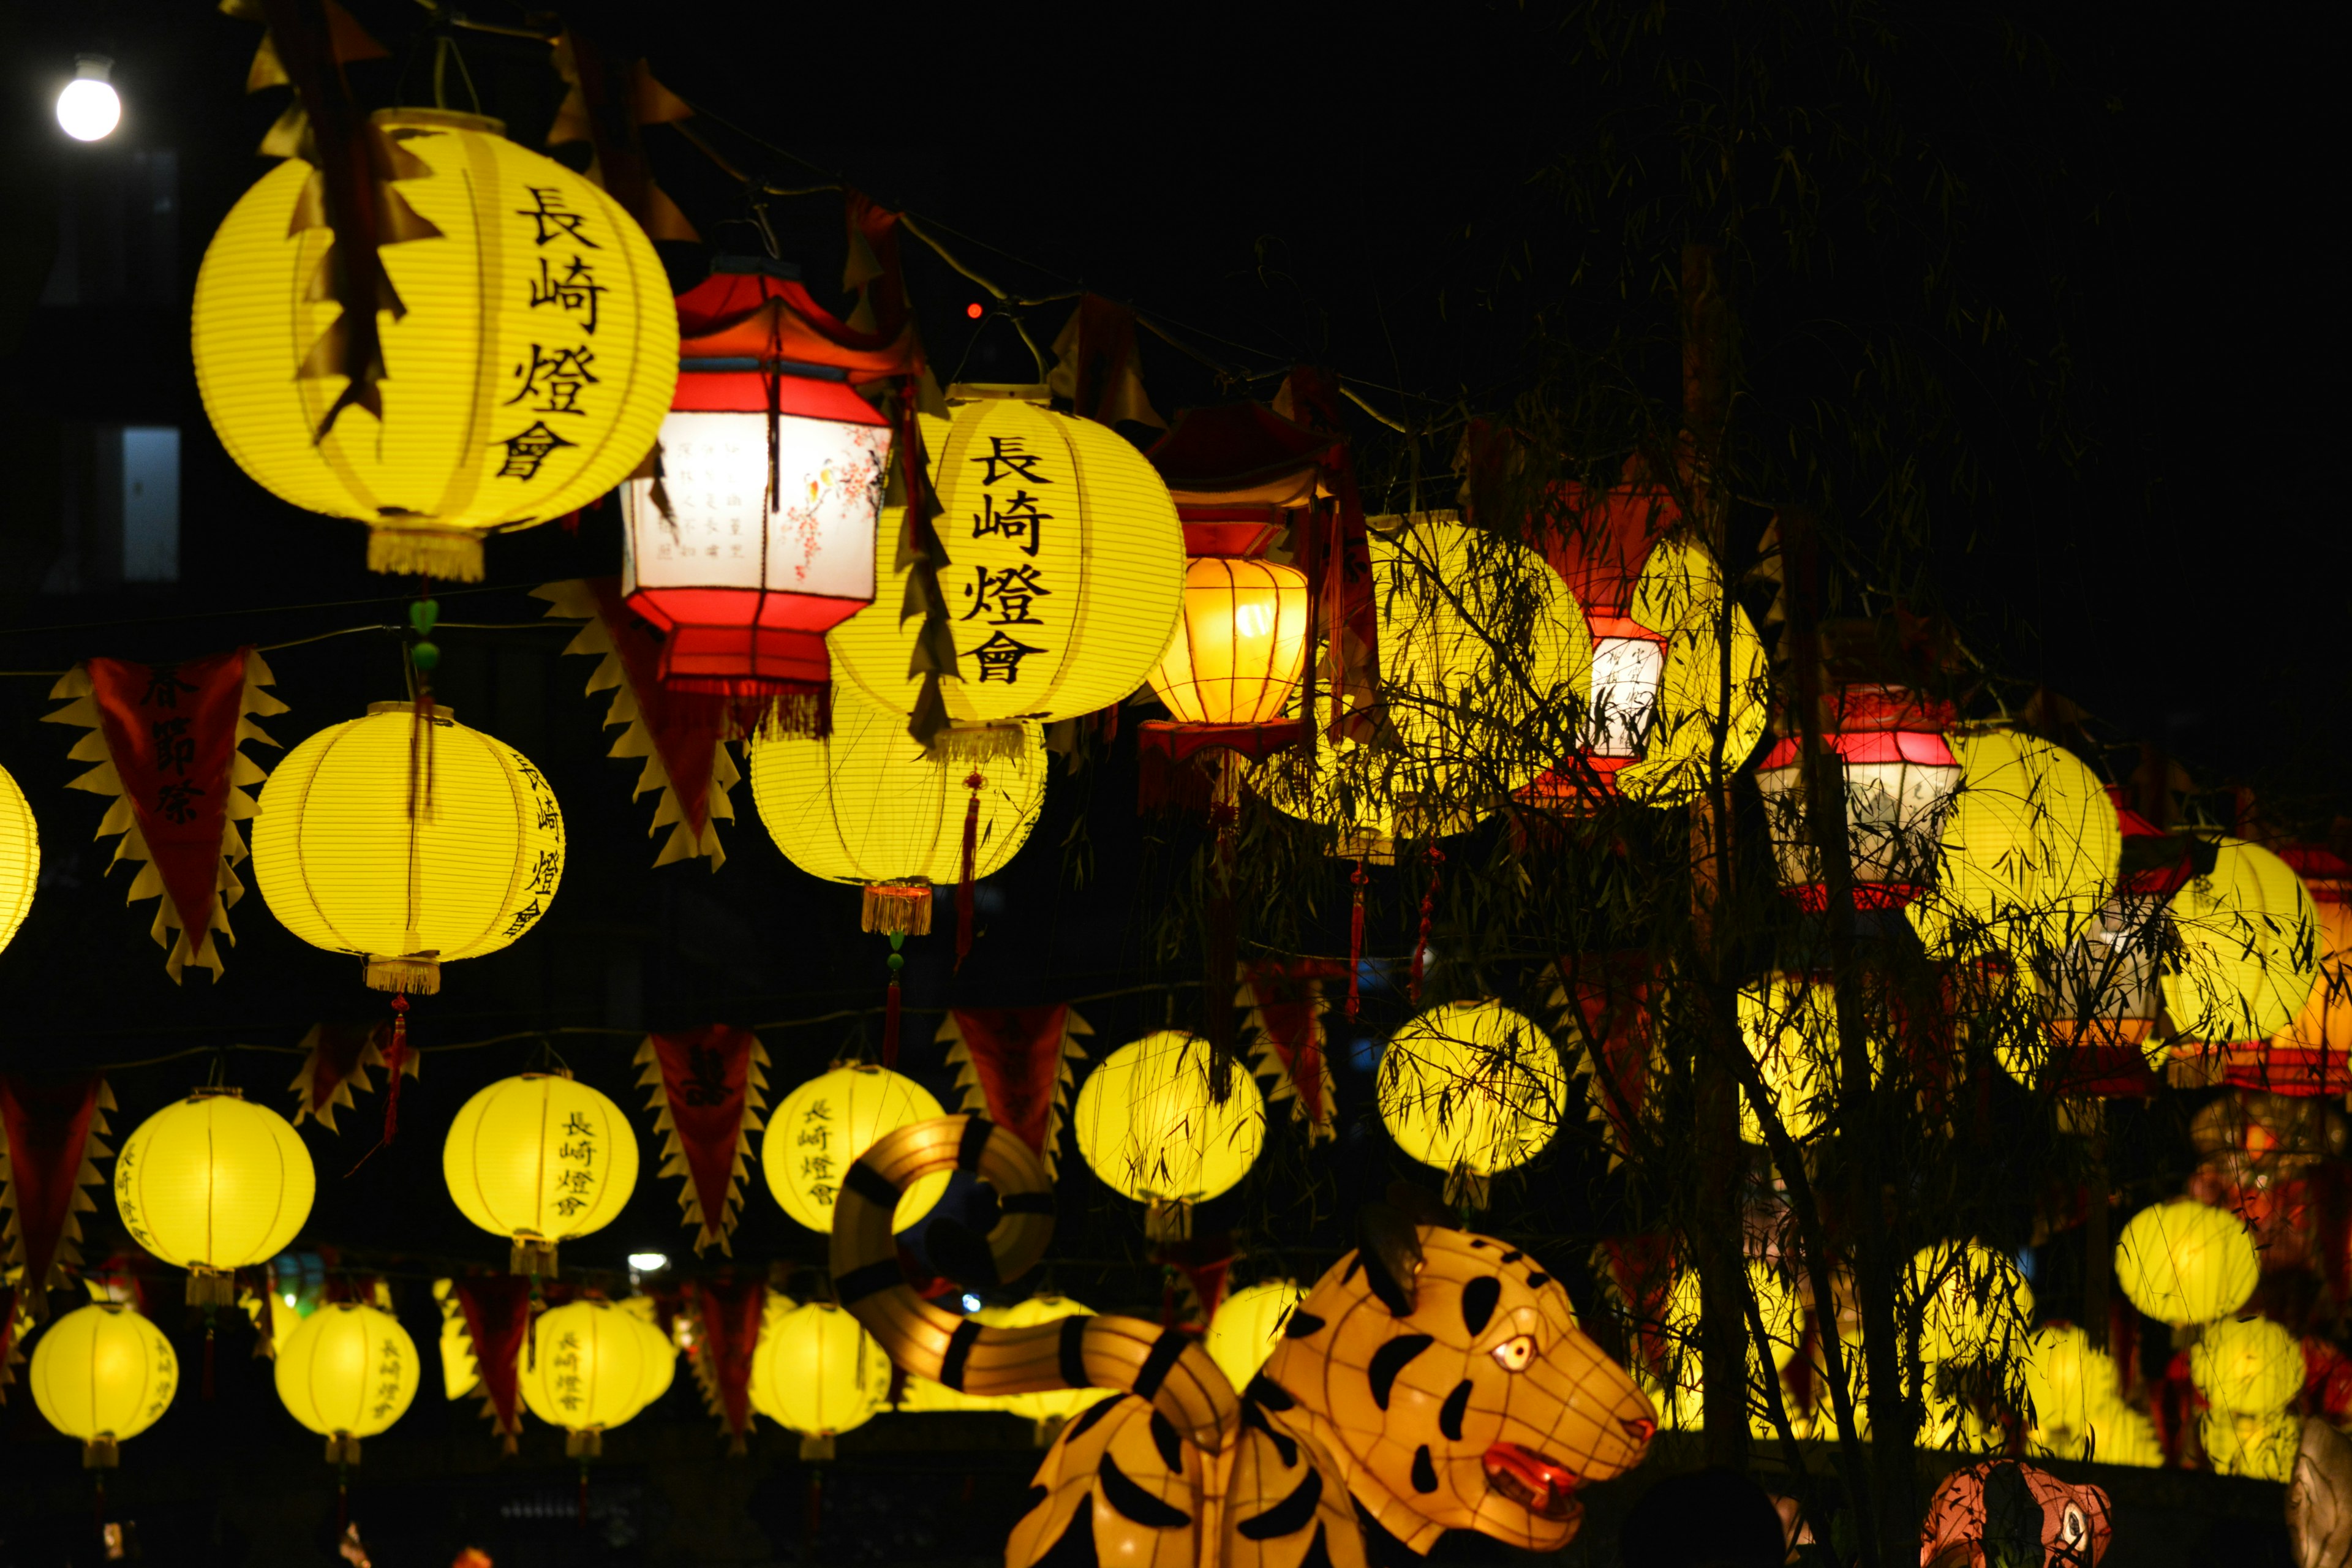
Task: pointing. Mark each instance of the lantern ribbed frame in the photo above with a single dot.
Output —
(1240, 644)
(848, 1108)
(505, 1163)
(214, 1183)
(103, 1374)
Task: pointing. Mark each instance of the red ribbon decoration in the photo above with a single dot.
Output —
(1013, 1061)
(728, 1311)
(47, 1129)
(497, 1308)
(1436, 858)
(706, 1084)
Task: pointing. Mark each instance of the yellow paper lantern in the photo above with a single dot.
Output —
(594, 1368)
(103, 1374)
(1974, 1305)
(1068, 570)
(1240, 645)
(347, 1372)
(816, 1370)
(2323, 1028)
(344, 865)
(527, 375)
(1473, 1090)
(540, 1159)
(1680, 595)
(213, 1184)
(2184, 1262)
(1247, 1325)
(2260, 1447)
(1150, 1126)
(826, 1123)
(1789, 1023)
(1481, 649)
(1682, 1399)
(2031, 851)
(661, 1350)
(2068, 1384)
(866, 805)
(20, 857)
(2248, 1366)
(2247, 948)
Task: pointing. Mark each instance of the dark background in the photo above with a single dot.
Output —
(1277, 186)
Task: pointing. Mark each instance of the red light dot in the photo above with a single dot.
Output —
(973, 310)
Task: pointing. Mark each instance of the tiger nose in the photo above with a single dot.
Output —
(1639, 1428)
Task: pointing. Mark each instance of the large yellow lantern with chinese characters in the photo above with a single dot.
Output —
(2246, 948)
(816, 1370)
(1068, 570)
(2030, 850)
(20, 857)
(1484, 656)
(1973, 1303)
(2184, 1262)
(530, 345)
(866, 805)
(1472, 1088)
(1247, 1325)
(540, 1159)
(347, 1372)
(103, 1374)
(1151, 1126)
(346, 865)
(592, 1367)
(212, 1183)
(823, 1127)
(1240, 645)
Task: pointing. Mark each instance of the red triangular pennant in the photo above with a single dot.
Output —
(1013, 1066)
(1286, 1008)
(497, 1308)
(727, 1314)
(707, 1087)
(48, 1146)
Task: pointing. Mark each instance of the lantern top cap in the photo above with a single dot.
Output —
(440, 714)
(1008, 391)
(216, 1091)
(445, 119)
(92, 67)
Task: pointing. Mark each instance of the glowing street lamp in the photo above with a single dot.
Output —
(89, 109)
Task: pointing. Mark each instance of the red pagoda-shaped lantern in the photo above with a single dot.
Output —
(753, 534)
(1887, 743)
(1599, 549)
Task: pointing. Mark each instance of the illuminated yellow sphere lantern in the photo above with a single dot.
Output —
(212, 1184)
(103, 1374)
(540, 1159)
(2247, 1365)
(1683, 1401)
(816, 1370)
(2073, 1389)
(1974, 1304)
(1247, 1326)
(1481, 647)
(525, 373)
(1151, 1125)
(1473, 1090)
(1240, 645)
(1067, 572)
(2246, 951)
(2184, 1262)
(592, 1367)
(20, 857)
(347, 1372)
(344, 865)
(823, 1127)
(2030, 850)
(2314, 1051)
(866, 807)
(1789, 1023)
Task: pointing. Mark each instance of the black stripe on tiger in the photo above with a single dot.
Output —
(1301, 1324)
(1449, 1414)
(1291, 1514)
(872, 1185)
(960, 1343)
(1478, 1299)
(1159, 1363)
(973, 1143)
(874, 1278)
(1424, 1474)
(1389, 1360)
(1072, 1348)
(1132, 1501)
(1170, 1447)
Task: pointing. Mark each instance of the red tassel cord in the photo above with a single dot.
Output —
(1356, 938)
(1428, 906)
(395, 1063)
(209, 1337)
(970, 855)
(896, 961)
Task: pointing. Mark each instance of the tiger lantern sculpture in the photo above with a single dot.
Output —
(1433, 1380)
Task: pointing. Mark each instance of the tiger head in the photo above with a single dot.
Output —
(1447, 1374)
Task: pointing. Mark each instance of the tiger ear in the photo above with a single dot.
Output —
(1388, 1246)
(1420, 1206)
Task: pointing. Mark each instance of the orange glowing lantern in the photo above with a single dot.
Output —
(1240, 647)
(2313, 1054)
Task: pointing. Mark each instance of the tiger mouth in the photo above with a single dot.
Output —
(1541, 1485)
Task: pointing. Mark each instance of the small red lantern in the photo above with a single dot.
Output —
(1599, 549)
(1887, 742)
(754, 535)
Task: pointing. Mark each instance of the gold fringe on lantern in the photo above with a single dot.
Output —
(898, 908)
(418, 973)
(979, 743)
(530, 1256)
(427, 552)
(211, 1287)
(100, 1454)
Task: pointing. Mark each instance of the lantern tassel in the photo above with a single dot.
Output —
(395, 1061)
(972, 782)
(896, 961)
(1428, 906)
(1356, 938)
(209, 1338)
